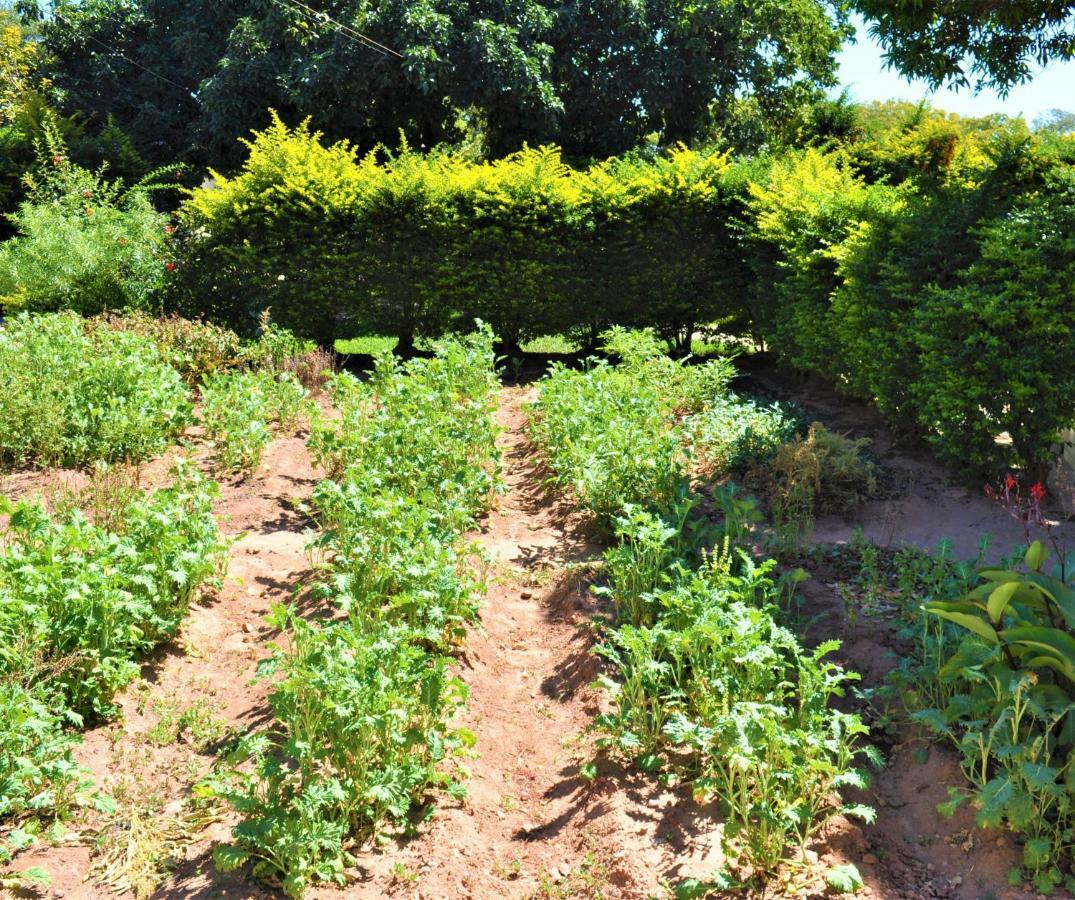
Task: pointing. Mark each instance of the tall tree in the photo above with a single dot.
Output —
(188, 77)
(979, 43)
(677, 67)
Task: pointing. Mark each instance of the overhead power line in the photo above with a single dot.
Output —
(133, 62)
(346, 30)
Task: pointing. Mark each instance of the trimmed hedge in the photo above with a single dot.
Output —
(927, 263)
(410, 244)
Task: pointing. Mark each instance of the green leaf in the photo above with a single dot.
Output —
(1000, 598)
(1036, 555)
(694, 888)
(846, 879)
(36, 875)
(1036, 853)
(1050, 642)
(229, 857)
(955, 800)
(999, 575)
(860, 811)
(993, 802)
(967, 620)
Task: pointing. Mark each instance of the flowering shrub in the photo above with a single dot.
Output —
(84, 242)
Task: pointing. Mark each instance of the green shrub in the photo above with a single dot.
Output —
(84, 243)
(924, 295)
(995, 347)
(70, 398)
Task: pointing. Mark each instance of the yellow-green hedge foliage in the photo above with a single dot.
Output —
(409, 244)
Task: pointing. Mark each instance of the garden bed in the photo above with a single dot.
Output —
(530, 825)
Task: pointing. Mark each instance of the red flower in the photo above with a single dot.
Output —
(1037, 491)
(1009, 481)
(170, 266)
(169, 229)
(87, 193)
(57, 159)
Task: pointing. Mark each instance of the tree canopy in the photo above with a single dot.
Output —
(186, 78)
(978, 43)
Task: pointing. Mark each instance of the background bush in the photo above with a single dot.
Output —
(83, 242)
(878, 260)
(945, 297)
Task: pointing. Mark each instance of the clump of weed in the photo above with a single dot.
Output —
(192, 347)
(818, 472)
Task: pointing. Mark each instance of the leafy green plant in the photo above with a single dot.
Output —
(81, 603)
(614, 443)
(238, 409)
(38, 776)
(72, 398)
(363, 702)
(715, 677)
(998, 644)
(423, 428)
(703, 680)
(364, 718)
